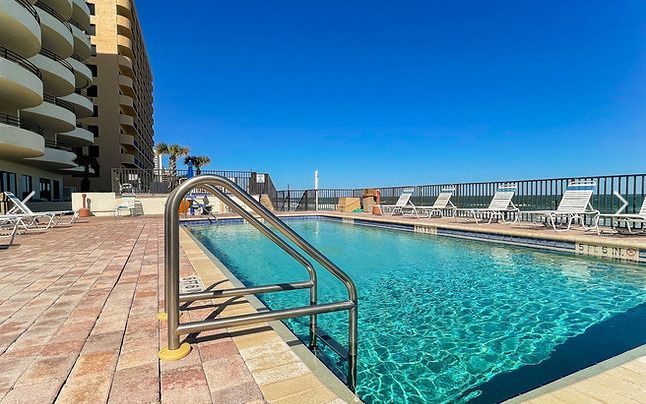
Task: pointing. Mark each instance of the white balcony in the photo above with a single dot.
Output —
(77, 137)
(81, 13)
(16, 142)
(56, 34)
(19, 28)
(20, 84)
(53, 159)
(83, 106)
(57, 75)
(82, 45)
(62, 7)
(51, 117)
(82, 73)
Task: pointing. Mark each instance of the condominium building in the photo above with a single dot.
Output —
(122, 92)
(43, 46)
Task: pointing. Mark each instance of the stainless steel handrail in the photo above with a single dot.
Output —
(171, 270)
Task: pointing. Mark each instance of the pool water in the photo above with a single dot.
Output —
(438, 317)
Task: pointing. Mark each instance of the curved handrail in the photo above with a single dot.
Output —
(171, 263)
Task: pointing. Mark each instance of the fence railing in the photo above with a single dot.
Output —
(538, 194)
(142, 181)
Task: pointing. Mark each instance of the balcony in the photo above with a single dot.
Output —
(77, 137)
(124, 26)
(127, 104)
(55, 157)
(19, 27)
(124, 8)
(82, 73)
(126, 85)
(125, 66)
(82, 46)
(127, 140)
(81, 13)
(17, 141)
(62, 7)
(20, 82)
(56, 31)
(124, 45)
(127, 122)
(83, 106)
(127, 159)
(57, 74)
(53, 115)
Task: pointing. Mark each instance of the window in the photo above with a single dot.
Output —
(91, 30)
(46, 189)
(57, 190)
(92, 91)
(26, 185)
(93, 151)
(8, 182)
(96, 110)
(93, 50)
(93, 70)
(91, 6)
(94, 129)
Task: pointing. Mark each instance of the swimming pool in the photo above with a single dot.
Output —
(443, 319)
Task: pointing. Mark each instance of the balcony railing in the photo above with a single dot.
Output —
(53, 144)
(16, 58)
(53, 100)
(30, 8)
(54, 14)
(60, 60)
(18, 123)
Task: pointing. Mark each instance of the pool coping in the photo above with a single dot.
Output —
(581, 375)
(318, 368)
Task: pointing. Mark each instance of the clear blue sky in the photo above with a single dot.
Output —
(402, 92)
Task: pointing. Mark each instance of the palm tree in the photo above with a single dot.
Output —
(87, 162)
(198, 162)
(173, 151)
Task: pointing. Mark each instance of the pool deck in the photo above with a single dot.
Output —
(77, 324)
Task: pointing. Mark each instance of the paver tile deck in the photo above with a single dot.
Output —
(78, 323)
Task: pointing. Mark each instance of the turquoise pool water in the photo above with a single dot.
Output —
(438, 317)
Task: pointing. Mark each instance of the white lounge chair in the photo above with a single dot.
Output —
(575, 205)
(8, 232)
(441, 204)
(402, 205)
(55, 217)
(499, 207)
(630, 219)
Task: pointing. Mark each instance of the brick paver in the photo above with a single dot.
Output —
(77, 324)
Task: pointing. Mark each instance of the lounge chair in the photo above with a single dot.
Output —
(55, 217)
(441, 204)
(499, 207)
(575, 204)
(630, 219)
(8, 232)
(403, 204)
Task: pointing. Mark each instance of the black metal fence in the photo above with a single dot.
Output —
(536, 194)
(142, 181)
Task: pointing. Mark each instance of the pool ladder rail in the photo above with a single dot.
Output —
(221, 187)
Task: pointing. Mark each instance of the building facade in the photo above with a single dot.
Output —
(122, 121)
(43, 82)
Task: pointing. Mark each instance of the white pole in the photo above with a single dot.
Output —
(316, 190)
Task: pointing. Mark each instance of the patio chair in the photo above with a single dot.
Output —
(630, 219)
(575, 205)
(441, 204)
(403, 204)
(499, 207)
(55, 217)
